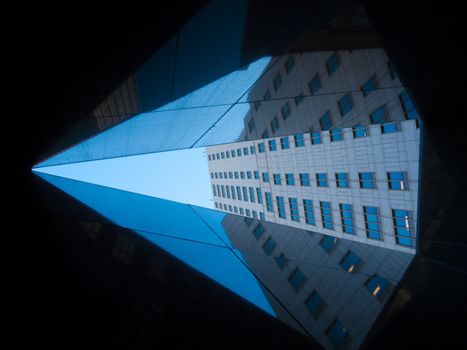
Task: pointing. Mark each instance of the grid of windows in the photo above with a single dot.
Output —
(326, 215)
(342, 180)
(367, 180)
(402, 220)
(285, 142)
(397, 180)
(294, 209)
(322, 180)
(304, 179)
(277, 179)
(308, 209)
(372, 222)
(347, 218)
(345, 104)
(280, 207)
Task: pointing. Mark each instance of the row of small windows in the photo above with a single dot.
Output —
(239, 210)
(396, 180)
(233, 153)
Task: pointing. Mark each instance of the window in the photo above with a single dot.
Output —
(337, 334)
(245, 151)
(239, 193)
(281, 260)
(212, 175)
(258, 195)
(397, 180)
(242, 175)
(315, 137)
(285, 142)
(276, 178)
(377, 286)
(347, 218)
(289, 64)
(268, 201)
(298, 99)
(326, 215)
(257, 105)
(289, 180)
(342, 180)
(230, 208)
(239, 152)
(272, 145)
(390, 128)
(248, 175)
(304, 179)
(252, 194)
(247, 212)
(285, 110)
(217, 155)
(294, 209)
(326, 122)
(214, 190)
(235, 209)
(277, 82)
(315, 84)
(369, 86)
(251, 125)
(359, 131)
(333, 63)
(248, 221)
(225, 175)
(274, 124)
(372, 222)
(297, 279)
(335, 135)
(230, 175)
(379, 116)
(232, 188)
(322, 180)
(308, 208)
(280, 207)
(261, 147)
(252, 150)
(254, 213)
(328, 243)
(223, 191)
(225, 206)
(267, 95)
(299, 140)
(220, 175)
(367, 180)
(261, 216)
(269, 246)
(315, 304)
(216, 174)
(345, 104)
(227, 190)
(256, 174)
(402, 220)
(265, 177)
(227, 154)
(209, 157)
(222, 155)
(218, 190)
(350, 262)
(265, 134)
(407, 106)
(241, 211)
(216, 204)
(232, 153)
(236, 174)
(245, 194)
(258, 231)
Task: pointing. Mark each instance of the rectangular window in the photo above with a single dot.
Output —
(397, 180)
(223, 191)
(347, 218)
(254, 214)
(274, 124)
(232, 188)
(218, 190)
(276, 178)
(222, 155)
(342, 180)
(272, 145)
(252, 150)
(281, 260)
(232, 153)
(350, 262)
(209, 157)
(241, 211)
(239, 152)
(265, 177)
(326, 215)
(285, 142)
(245, 151)
(268, 201)
(261, 216)
(407, 106)
(379, 115)
(322, 180)
(325, 121)
(277, 82)
(242, 175)
(372, 222)
(217, 205)
(315, 137)
(230, 175)
(236, 174)
(315, 84)
(332, 64)
(367, 180)
(359, 131)
(304, 179)
(227, 154)
(294, 209)
(280, 207)
(328, 243)
(269, 246)
(248, 175)
(308, 208)
(369, 86)
(227, 190)
(261, 147)
(297, 279)
(315, 304)
(389, 128)
(252, 194)
(216, 174)
(298, 139)
(235, 209)
(245, 194)
(377, 286)
(256, 174)
(258, 195)
(214, 190)
(239, 193)
(217, 155)
(335, 135)
(345, 104)
(247, 212)
(285, 110)
(289, 64)
(337, 334)
(220, 175)
(402, 220)
(289, 180)
(212, 175)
